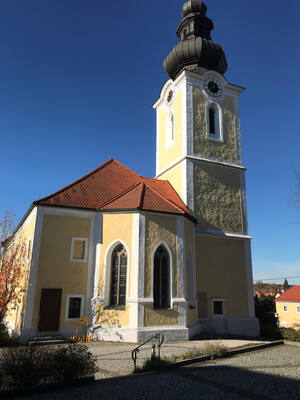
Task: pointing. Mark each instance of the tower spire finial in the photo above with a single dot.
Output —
(195, 48)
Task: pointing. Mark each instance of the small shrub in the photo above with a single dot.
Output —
(290, 334)
(31, 366)
(4, 335)
(213, 349)
(195, 352)
(154, 364)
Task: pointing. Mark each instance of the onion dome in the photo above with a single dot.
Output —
(195, 48)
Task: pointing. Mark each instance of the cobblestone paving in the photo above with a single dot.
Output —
(114, 359)
(270, 374)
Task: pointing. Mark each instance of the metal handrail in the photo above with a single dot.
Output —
(135, 351)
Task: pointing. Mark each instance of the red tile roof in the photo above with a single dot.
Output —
(112, 186)
(292, 294)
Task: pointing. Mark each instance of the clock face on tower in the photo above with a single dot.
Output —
(213, 87)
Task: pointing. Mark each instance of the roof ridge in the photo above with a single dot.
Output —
(120, 195)
(165, 199)
(78, 180)
(141, 197)
(185, 209)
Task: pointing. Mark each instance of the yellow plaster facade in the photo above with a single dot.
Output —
(221, 273)
(117, 228)
(176, 178)
(166, 156)
(56, 270)
(160, 317)
(24, 236)
(289, 318)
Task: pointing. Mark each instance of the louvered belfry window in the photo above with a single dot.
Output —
(161, 286)
(118, 276)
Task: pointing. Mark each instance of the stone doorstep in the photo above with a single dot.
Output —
(47, 340)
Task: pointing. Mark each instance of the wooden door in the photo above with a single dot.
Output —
(49, 310)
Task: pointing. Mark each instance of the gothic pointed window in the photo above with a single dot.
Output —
(161, 284)
(118, 276)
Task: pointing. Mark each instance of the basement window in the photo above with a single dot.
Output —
(218, 307)
(79, 249)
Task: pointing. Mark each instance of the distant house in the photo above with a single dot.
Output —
(288, 308)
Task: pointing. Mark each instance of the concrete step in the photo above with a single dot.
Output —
(47, 340)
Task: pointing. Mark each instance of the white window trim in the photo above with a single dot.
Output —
(298, 309)
(212, 307)
(170, 130)
(68, 304)
(285, 308)
(85, 249)
(218, 137)
(106, 288)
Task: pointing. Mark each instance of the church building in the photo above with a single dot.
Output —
(138, 256)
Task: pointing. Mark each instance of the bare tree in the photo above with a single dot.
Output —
(13, 269)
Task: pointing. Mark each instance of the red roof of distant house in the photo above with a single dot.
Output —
(292, 294)
(112, 186)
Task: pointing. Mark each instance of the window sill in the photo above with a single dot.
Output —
(215, 139)
(121, 308)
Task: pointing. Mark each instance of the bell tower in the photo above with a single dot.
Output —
(198, 150)
(198, 127)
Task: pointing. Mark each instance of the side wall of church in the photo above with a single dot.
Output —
(217, 198)
(160, 229)
(24, 236)
(221, 273)
(221, 150)
(55, 268)
(117, 228)
(190, 277)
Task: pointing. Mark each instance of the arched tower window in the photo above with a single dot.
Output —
(161, 284)
(213, 116)
(170, 129)
(118, 276)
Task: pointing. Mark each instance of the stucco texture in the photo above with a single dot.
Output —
(217, 198)
(55, 270)
(225, 150)
(160, 317)
(159, 228)
(112, 317)
(168, 156)
(221, 273)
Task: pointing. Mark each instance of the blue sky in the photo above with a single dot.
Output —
(78, 80)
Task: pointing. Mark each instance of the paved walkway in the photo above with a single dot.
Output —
(270, 374)
(114, 359)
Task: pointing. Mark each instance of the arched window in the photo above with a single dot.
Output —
(214, 128)
(161, 284)
(170, 130)
(118, 276)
